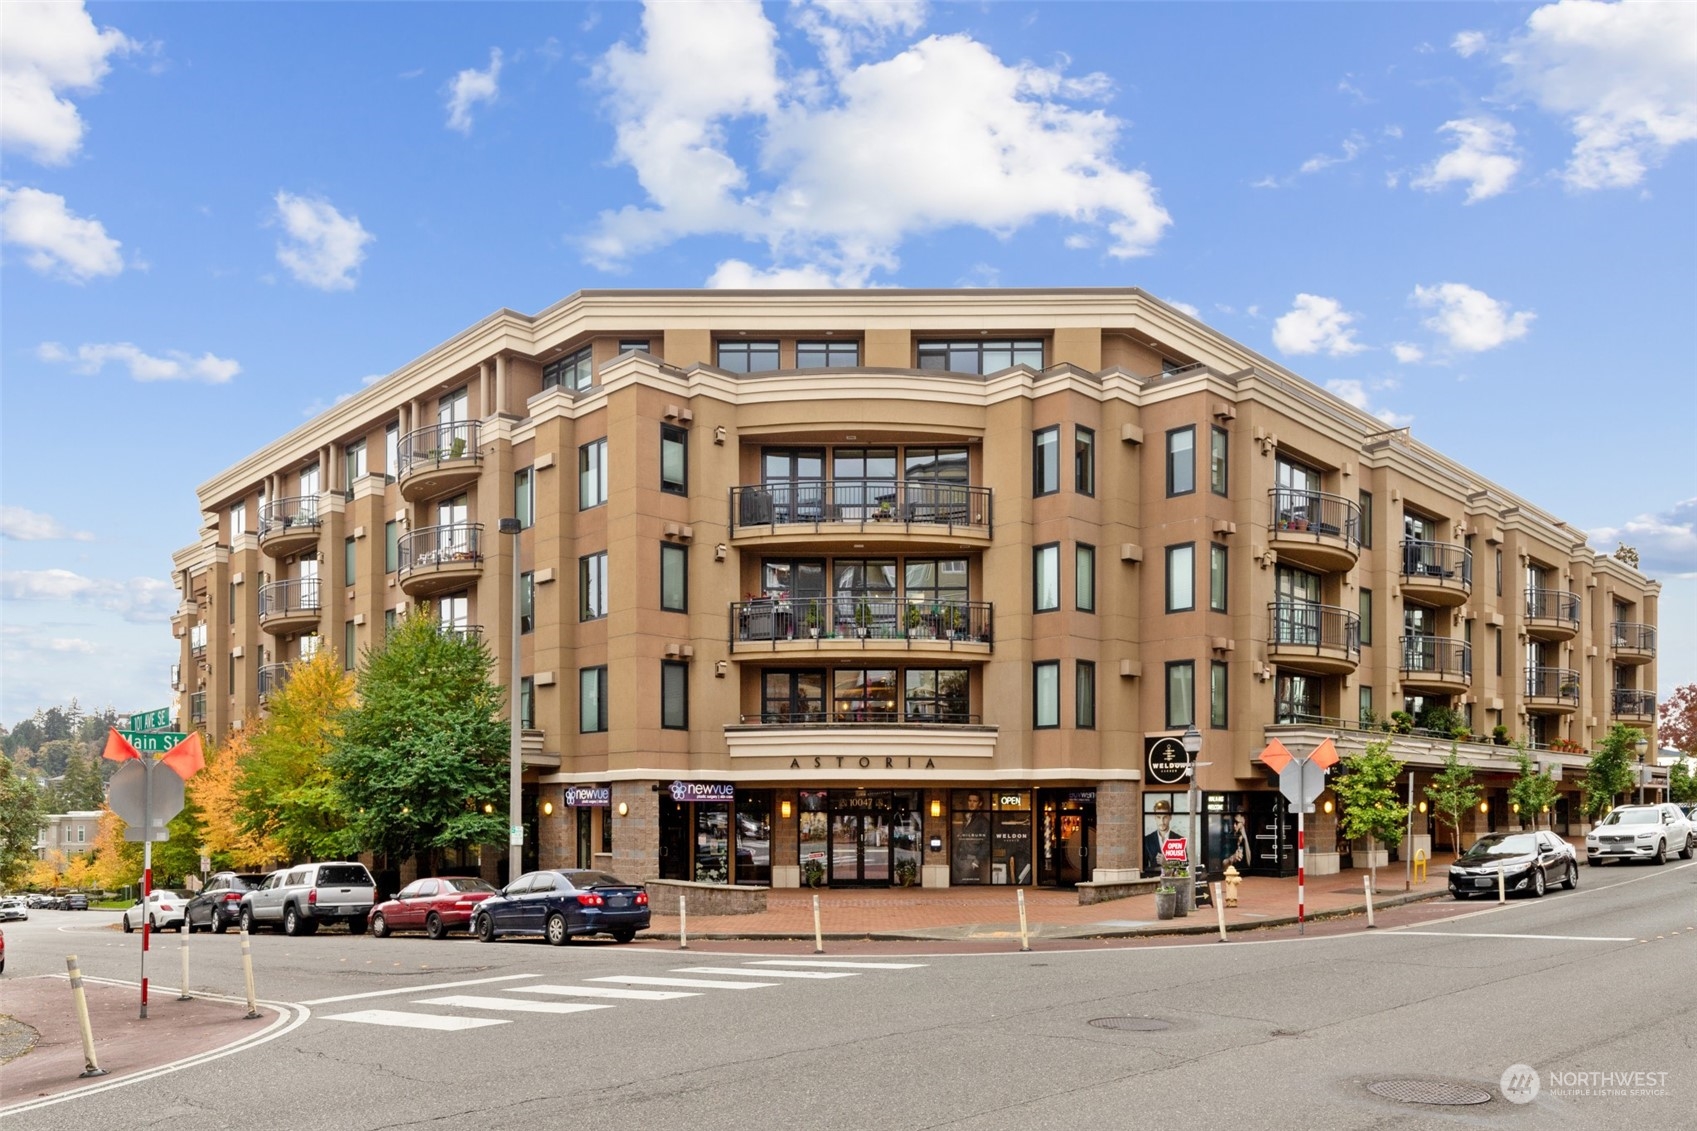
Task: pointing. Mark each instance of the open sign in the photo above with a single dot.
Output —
(1173, 849)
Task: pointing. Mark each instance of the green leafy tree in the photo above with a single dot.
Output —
(424, 753)
(1453, 794)
(1534, 792)
(1610, 771)
(25, 736)
(54, 757)
(287, 792)
(1682, 785)
(1366, 788)
(20, 820)
(82, 787)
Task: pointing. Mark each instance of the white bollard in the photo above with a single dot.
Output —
(818, 935)
(1502, 886)
(1024, 938)
(247, 975)
(183, 948)
(91, 1067)
(1220, 909)
(683, 922)
(1367, 886)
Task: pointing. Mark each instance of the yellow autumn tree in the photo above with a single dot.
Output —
(214, 792)
(113, 862)
(46, 874)
(286, 792)
(79, 873)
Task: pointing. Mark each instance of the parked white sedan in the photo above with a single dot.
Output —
(161, 909)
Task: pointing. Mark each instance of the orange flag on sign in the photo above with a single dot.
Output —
(1275, 756)
(186, 759)
(118, 748)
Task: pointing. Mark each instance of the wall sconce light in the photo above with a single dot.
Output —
(784, 809)
(1328, 805)
(488, 808)
(1515, 806)
(1422, 806)
(547, 808)
(1484, 807)
(936, 807)
(624, 809)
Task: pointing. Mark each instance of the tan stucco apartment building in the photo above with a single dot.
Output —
(886, 586)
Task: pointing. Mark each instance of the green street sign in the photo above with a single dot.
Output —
(157, 742)
(151, 720)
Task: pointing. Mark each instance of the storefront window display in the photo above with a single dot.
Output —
(1166, 816)
(991, 836)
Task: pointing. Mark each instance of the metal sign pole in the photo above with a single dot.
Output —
(1408, 840)
(146, 871)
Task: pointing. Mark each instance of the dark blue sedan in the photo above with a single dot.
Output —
(561, 904)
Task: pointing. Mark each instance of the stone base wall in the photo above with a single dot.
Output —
(704, 899)
(636, 833)
(1097, 892)
(1119, 825)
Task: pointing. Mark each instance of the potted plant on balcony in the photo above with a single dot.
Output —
(1402, 722)
(1499, 735)
(915, 619)
(953, 619)
(885, 512)
(862, 619)
(1570, 690)
(811, 619)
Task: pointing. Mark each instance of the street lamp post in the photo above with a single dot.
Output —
(1192, 743)
(515, 746)
(1642, 746)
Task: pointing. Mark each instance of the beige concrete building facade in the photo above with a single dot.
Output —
(914, 586)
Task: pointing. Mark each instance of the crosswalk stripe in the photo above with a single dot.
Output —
(415, 1020)
(602, 991)
(518, 1005)
(765, 973)
(686, 983)
(839, 965)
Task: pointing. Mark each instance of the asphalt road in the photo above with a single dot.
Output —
(1259, 1032)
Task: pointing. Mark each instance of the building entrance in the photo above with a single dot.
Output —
(872, 834)
(1067, 825)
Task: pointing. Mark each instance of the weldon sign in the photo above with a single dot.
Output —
(1166, 761)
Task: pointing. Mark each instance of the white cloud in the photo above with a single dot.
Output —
(1316, 323)
(1350, 150)
(1470, 319)
(1356, 394)
(22, 525)
(1407, 352)
(1666, 542)
(140, 599)
(979, 143)
(55, 241)
(1477, 160)
(324, 248)
(471, 87)
(1185, 307)
(1623, 76)
(735, 274)
(176, 365)
(51, 48)
(843, 29)
(1468, 43)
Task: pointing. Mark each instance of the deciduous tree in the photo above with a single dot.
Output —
(1610, 771)
(1532, 791)
(287, 790)
(1676, 721)
(1367, 796)
(113, 862)
(216, 796)
(1453, 793)
(20, 821)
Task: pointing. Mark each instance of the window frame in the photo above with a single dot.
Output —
(942, 351)
(1084, 695)
(1175, 722)
(350, 563)
(1045, 473)
(391, 546)
(1219, 461)
(1037, 693)
(1188, 549)
(828, 346)
(1219, 695)
(591, 589)
(1364, 501)
(1219, 577)
(1364, 611)
(527, 602)
(1084, 460)
(1084, 578)
(578, 366)
(680, 555)
(747, 347)
(672, 434)
(592, 471)
(595, 674)
(350, 647)
(1188, 430)
(524, 497)
(1038, 553)
(677, 713)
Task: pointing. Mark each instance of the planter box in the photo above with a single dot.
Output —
(1322, 863)
(1100, 891)
(1115, 875)
(705, 899)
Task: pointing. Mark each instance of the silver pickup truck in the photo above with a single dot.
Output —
(301, 898)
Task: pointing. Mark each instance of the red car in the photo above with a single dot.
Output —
(435, 906)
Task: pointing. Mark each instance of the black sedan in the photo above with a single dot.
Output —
(560, 905)
(218, 907)
(1529, 864)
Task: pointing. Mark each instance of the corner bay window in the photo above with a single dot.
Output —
(674, 695)
(1181, 461)
(981, 355)
(1045, 694)
(574, 371)
(1046, 578)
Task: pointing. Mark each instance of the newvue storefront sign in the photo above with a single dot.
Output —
(687, 792)
(587, 796)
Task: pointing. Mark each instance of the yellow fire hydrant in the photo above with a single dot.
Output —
(1232, 880)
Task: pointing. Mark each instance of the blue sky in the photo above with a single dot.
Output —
(215, 220)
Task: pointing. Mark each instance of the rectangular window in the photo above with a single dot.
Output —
(1499, 573)
(592, 474)
(1181, 578)
(349, 562)
(1366, 520)
(1181, 694)
(1498, 641)
(980, 355)
(748, 357)
(1364, 707)
(1046, 694)
(827, 355)
(1084, 577)
(1366, 611)
(674, 579)
(575, 371)
(353, 464)
(1181, 461)
(391, 617)
(391, 547)
(592, 586)
(238, 519)
(592, 700)
(232, 602)
(1217, 441)
(527, 703)
(674, 695)
(1046, 577)
(349, 649)
(391, 452)
(527, 602)
(1217, 714)
(674, 460)
(635, 345)
(1216, 577)
(1085, 691)
(524, 498)
(1046, 461)
(1083, 460)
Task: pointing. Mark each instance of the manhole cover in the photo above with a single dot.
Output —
(1430, 1092)
(1131, 1024)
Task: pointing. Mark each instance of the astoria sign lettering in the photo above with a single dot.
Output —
(865, 762)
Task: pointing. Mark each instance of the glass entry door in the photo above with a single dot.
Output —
(861, 839)
(1068, 820)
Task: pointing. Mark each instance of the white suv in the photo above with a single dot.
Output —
(1642, 832)
(298, 899)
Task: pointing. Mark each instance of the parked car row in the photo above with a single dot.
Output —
(46, 901)
(13, 907)
(563, 904)
(1528, 864)
(1642, 832)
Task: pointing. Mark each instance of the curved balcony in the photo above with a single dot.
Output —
(1631, 705)
(438, 459)
(441, 559)
(1552, 614)
(1436, 573)
(1319, 639)
(289, 606)
(1552, 691)
(849, 626)
(271, 678)
(1632, 643)
(288, 526)
(861, 512)
(1314, 529)
(1436, 664)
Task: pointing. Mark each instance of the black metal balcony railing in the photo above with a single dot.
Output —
(1437, 655)
(272, 677)
(1553, 604)
(197, 707)
(861, 502)
(1299, 711)
(915, 715)
(1442, 560)
(471, 633)
(435, 546)
(299, 512)
(1629, 702)
(872, 619)
(1631, 637)
(1553, 683)
(283, 598)
(1316, 513)
(438, 443)
(1323, 628)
